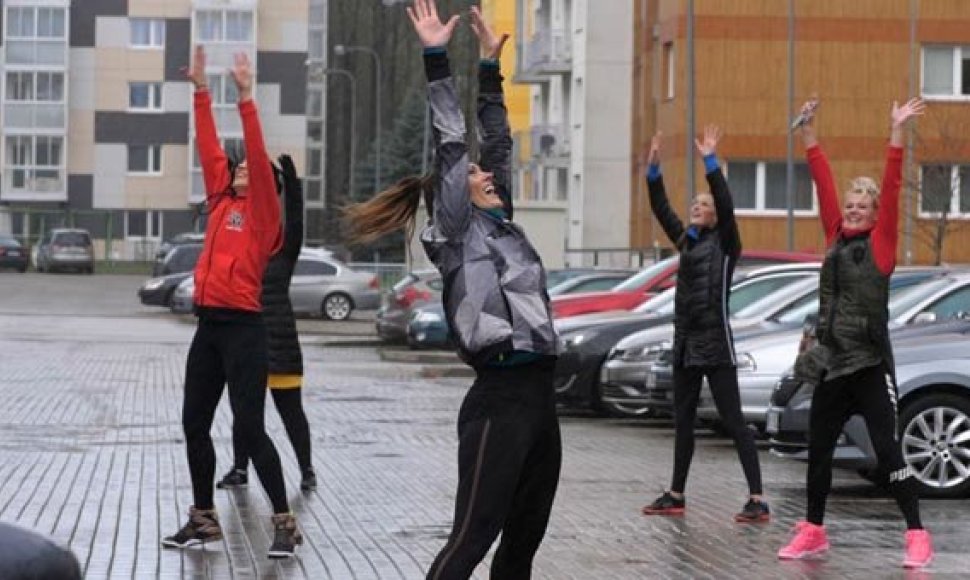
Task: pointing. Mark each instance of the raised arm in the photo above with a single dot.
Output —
(452, 207)
(215, 167)
(727, 225)
(293, 201)
(818, 165)
(264, 206)
(885, 234)
(493, 117)
(671, 224)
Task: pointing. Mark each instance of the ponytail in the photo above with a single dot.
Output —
(393, 209)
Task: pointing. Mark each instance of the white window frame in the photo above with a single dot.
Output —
(955, 95)
(154, 97)
(36, 10)
(760, 189)
(954, 212)
(31, 167)
(154, 161)
(34, 86)
(222, 30)
(156, 33)
(668, 83)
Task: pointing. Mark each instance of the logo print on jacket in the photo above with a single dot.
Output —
(234, 221)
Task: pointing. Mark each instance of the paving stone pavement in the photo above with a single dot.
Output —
(91, 454)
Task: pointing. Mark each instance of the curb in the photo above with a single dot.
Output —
(430, 357)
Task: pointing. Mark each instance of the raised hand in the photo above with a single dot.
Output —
(431, 31)
(910, 109)
(653, 156)
(491, 45)
(242, 74)
(807, 114)
(196, 73)
(707, 144)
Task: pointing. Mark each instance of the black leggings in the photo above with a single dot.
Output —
(233, 352)
(723, 381)
(509, 454)
(870, 392)
(290, 406)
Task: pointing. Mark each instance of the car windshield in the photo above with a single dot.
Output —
(638, 280)
(901, 299)
(660, 304)
(8, 241)
(72, 239)
(757, 297)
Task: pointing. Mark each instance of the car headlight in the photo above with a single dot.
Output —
(572, 341)
(647, 353)
(746, 363)
(427, 317)
(154, 284)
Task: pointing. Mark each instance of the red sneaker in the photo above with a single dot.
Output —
(665, 505)
(919, 549)
(810, 540)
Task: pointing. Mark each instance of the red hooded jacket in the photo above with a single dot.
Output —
(243, 230)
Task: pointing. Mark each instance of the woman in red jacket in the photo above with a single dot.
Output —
(229, 346)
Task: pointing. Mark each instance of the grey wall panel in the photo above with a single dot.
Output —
(178, 47)
(288, 69)
(141, 128)
(84, 13)
(80, 191)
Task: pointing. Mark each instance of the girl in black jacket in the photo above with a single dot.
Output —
(703, 344)
(285, 358)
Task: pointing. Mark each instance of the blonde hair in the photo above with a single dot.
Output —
(865, 186)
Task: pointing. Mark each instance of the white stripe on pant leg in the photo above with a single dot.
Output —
(471, 500)
(891, 388)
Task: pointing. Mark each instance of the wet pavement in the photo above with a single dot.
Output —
(91, 454)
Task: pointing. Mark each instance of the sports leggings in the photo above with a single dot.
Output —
(870, 392)
(290, 406)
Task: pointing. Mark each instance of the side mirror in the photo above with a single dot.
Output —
(925, 317)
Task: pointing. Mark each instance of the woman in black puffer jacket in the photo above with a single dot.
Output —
(703, 346)
(285, 378)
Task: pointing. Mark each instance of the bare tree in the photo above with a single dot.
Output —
(941, 181)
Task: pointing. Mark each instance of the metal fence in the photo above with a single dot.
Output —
(613, 257)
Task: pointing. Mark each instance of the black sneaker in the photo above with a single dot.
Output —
(753, 512)
(235, 478)
(286, 536)
(309, 481)
(665, 505)
(202, 527)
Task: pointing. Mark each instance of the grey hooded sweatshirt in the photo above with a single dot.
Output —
(494, 295)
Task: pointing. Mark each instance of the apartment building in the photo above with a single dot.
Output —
(577, 56)
(97, 117)
(857, 57)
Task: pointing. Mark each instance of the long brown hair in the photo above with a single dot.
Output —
(393, 209)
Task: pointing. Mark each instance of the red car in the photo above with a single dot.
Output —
(654, 279)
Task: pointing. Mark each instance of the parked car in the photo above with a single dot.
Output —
(65, 249)
(585, 349)
(763, 358)
(181, 258)
(654, 279)
(414, 289)
(623, 380)
(557, 276)
(169, 273)
(320, 285)
(589, 283)
(177, 240)
(428, 327)
(933, 383)
(13, 256)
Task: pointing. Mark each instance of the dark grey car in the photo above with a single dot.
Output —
(933, 379)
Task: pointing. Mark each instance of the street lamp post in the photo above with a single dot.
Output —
(341, 50)
(353, 116)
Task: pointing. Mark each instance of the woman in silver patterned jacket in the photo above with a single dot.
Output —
(494, 296)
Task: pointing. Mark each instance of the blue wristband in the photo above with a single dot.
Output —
(653, 172)
(710, 163)
(435, 50)
(489, 62)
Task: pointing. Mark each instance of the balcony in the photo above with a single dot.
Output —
(541, 156)
(549, 51)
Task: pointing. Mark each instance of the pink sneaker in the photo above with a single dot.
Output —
(809, 540)
(919, 549)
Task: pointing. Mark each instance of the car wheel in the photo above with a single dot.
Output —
(337, 306)
(22, 270)
(935, 443)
